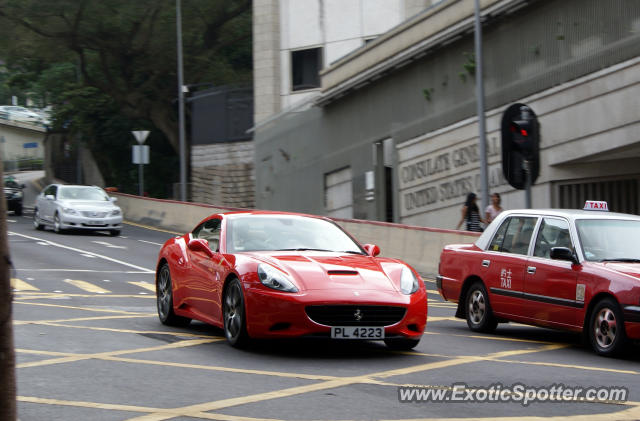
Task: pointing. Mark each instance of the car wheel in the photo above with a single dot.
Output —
(57, 225)
(114, 233)
(401, 344)
(164, 300)
(479, 315)
(36, 220)
(233, 313)
(606, 328)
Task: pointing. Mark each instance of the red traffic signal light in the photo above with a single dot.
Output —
(520, 143)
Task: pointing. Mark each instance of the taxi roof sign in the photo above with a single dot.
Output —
(599, 205)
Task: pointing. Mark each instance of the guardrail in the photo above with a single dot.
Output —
(418, 246)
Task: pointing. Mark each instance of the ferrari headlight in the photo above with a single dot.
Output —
(273, 278)
(69, 211)
(408, 282)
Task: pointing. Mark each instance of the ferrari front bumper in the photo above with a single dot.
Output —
(275, 314)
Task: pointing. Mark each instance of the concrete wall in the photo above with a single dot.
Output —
(13, 136)
(418, 246)
(223, 173)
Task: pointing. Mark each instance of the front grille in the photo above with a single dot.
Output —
(355, 315)
(91, 214)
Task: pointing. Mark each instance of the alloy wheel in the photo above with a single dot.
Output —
(605, 328)
(477, 307)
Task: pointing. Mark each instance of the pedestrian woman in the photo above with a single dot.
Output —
(471, 214)
(493, 209)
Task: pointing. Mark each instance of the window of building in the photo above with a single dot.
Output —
(338, 193)
(620, 194)
(305, 68)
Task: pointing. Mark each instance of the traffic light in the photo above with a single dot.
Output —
(520, 145)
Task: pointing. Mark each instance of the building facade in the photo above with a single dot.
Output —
(295, 39)
(393, 132)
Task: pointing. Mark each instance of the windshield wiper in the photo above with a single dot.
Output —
(622, 259)
(352, 252)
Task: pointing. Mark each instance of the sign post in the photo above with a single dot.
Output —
(140, 156)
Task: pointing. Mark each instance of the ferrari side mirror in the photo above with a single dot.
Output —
(372, 249)
(200, 244)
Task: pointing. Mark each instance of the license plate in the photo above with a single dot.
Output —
(357, 332)
(95, 223)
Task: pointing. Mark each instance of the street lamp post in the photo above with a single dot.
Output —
(181, 134)
(484, 179)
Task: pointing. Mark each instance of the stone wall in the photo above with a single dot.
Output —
(223, 174)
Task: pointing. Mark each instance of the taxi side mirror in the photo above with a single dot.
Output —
(563, 253)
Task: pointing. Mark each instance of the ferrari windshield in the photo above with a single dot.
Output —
(286, 232)
(609, 239)
(82, 193)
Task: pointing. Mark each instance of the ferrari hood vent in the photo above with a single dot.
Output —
(343, 272)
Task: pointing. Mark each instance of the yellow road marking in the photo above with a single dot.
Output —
(439, 319)
(494, 338)
(132, 408)
(577, 367)
(631, 413)
(331, 384)
(152, 228)
(97, 310)
(118, 407)
(80, 357)
(57, 295)
(459, 361)
(148, 332)
(225, 369)
(433, 291)
(51, 353)
(81, 319)
(87, 286)
(145, 285)
(20, 285)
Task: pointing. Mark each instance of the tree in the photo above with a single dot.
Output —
(121, 53)
(7, 353)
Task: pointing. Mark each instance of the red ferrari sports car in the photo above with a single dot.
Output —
(279, 275)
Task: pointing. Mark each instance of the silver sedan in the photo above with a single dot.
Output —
(77, 207)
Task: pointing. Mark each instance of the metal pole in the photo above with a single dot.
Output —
(140, 177)
(183, 152)
(480, 110)
(78, 159)
(526, 164)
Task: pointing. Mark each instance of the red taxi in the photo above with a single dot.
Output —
(576, 270)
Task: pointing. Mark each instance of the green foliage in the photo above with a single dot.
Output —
(107, 67)
(427, 93)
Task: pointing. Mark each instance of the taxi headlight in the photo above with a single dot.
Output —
(408, 282)
(116, 212)
(273, 278)
(69, 211)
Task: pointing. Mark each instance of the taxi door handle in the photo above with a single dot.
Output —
(531, 270)
(486, 263)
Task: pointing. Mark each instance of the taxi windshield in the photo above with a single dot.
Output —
(609, 239)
